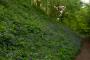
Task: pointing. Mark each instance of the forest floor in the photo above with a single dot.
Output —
(85, 51)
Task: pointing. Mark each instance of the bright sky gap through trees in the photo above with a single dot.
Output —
(86, 1)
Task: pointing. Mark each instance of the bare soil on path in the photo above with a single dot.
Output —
(85, 51)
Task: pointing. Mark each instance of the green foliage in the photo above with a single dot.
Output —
(27, 33)
(79, 21)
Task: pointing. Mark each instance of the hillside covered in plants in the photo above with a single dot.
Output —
(33, 31)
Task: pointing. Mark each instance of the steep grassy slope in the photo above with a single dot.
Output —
(26, 33)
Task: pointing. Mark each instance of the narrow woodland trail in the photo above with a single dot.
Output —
(85, 51)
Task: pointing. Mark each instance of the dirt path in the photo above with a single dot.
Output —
(85, 52)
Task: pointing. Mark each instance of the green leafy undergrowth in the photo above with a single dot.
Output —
(27, 34)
